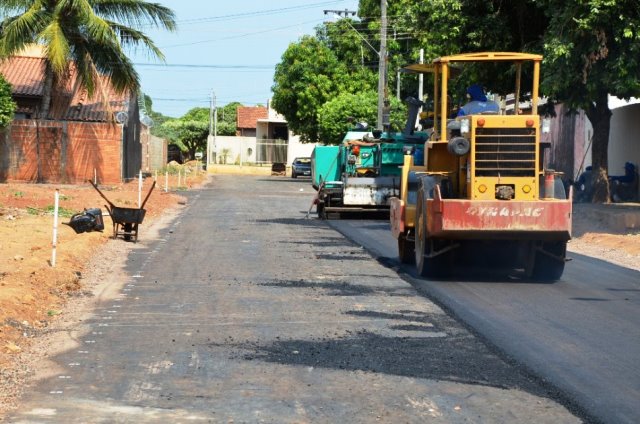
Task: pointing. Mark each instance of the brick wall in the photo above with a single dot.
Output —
(64, 152)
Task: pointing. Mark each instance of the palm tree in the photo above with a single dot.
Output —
(90, 34)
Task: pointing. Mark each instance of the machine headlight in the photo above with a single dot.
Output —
(464, 126)
(546, 126)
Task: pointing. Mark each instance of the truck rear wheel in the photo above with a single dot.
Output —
(549, 263)
(406, 250)
(430, 267)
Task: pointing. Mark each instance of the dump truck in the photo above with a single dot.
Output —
(483, 196)
(363, 173)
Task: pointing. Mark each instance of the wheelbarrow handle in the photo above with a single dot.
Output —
(148, 194)
(100, 193)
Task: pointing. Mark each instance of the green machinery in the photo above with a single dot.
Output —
(364, 172)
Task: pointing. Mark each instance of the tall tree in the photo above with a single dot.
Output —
(88, 33)
(447, 27)
(227, 118)
(190, 135)
(592, 49)
(308, 75)
(341, 113)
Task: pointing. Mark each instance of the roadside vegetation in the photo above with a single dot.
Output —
(7, 105)
(189, 132)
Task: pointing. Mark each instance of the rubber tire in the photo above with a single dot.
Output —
(427, 267)
(547, 268)
(320, 209)
(294, 175)
(406, 250)
(128, 227)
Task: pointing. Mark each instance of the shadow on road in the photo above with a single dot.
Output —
(343, 288)
(433, 352)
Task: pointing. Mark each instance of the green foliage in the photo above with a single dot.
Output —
(591, 47)
(346, 39)
(227, 118)
(226, 128)
(308, 76)
(201, 114)
(339, 114)
(7, 105)
(343, 57)
(190, 131)
(226, 122)
(166, 131)
(190, 135)
(158, 118)
(49, 210)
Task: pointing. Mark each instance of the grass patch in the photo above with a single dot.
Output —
(48, 210)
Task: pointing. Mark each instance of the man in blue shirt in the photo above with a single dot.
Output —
(479, 103)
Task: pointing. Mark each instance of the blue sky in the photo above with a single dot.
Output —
(230, 48)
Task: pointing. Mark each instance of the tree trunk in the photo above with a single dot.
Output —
(600, 116)
(46, 92)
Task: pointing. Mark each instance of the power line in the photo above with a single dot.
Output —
(231, 37)
(257, 13)
(193, 65)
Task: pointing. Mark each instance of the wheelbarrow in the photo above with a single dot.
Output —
(125, 220)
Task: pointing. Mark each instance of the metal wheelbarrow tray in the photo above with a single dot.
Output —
(125, 220)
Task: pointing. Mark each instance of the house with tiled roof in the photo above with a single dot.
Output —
(82, 137)
(247, 119)
(262, 137)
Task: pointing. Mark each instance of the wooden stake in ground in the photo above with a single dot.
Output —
(56, 202)
(140, 189)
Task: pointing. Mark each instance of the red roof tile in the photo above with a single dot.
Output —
(247, 117)
(26, 75)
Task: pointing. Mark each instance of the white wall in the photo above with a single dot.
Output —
(241, 149)
(297, 149)
(624, 138)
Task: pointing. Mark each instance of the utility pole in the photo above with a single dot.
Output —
(215, 123)
(382, 64)
(211, 139)
(383, 110)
